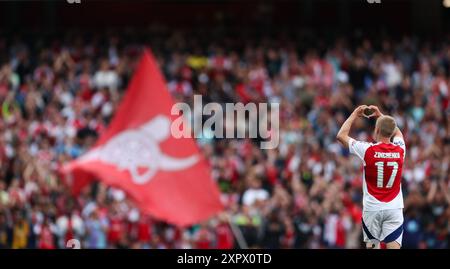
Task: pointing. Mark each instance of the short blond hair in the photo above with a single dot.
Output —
(386, 126)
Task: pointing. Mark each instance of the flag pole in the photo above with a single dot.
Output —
(237, 234)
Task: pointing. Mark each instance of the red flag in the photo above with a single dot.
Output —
(166, 177)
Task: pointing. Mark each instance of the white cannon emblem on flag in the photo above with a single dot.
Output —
(139, 149)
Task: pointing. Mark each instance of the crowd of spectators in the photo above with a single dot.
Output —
(58, 94)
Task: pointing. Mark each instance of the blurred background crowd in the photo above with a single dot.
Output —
(58, 94)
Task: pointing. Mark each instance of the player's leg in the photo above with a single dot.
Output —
(393, 245)
(371, 229)
(392, 228)
(373, 244)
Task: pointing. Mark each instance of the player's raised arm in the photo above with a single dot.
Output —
(377, 113)
(398, 133)
(397, 137)
(343, 134)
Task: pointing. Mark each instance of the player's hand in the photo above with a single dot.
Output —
(359, 111)
(374, 111)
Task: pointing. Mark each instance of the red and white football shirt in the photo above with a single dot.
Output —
(383, 165)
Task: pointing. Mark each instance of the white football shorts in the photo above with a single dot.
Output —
(383, 226)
